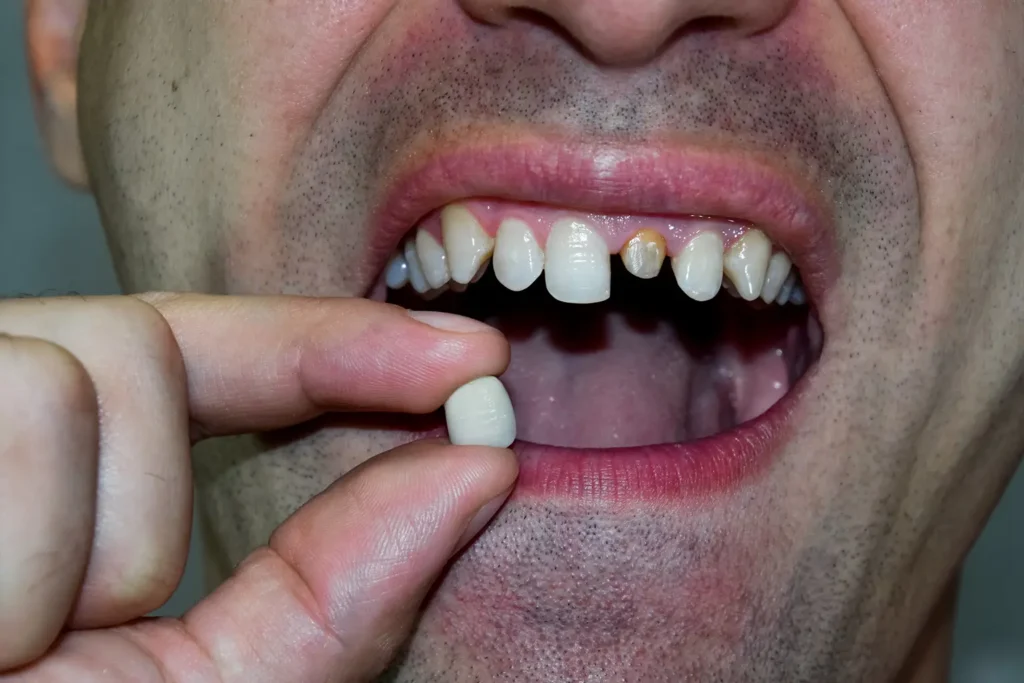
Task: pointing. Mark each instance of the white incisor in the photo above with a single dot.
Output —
(480, 414)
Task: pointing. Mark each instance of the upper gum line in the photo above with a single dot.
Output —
(616, 230)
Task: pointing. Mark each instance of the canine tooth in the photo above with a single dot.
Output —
(518, 259)
(396, 275)
(433, 260)
(698, 267)
(480, 414)
(416, 277)
(466, 243)
(644, 254)
(481, 271)
(747, 262)
(578, 269)
(787, 289)
(779, 266)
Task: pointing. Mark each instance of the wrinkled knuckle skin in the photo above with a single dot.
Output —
(149, 334)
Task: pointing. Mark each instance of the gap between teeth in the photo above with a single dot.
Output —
(576, 261)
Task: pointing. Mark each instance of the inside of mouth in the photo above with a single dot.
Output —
(648, 366)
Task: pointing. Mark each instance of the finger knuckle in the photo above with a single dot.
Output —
(144, 332)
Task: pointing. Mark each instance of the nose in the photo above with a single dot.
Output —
(620, 32)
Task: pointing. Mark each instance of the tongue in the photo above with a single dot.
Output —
(596, 377)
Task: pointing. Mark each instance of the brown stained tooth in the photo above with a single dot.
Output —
(644, 254)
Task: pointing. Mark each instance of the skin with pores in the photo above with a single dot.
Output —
(253, 162)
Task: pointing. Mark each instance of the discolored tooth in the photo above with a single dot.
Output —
(518, 259)
(396, 275)
(787, 289)
(698, 267)
(746, 263)
(480, 414)
(578, 267)
(416, 277)
(798, 297)
(779, 266)
(644, 254)
(467, 245)
(433, 259)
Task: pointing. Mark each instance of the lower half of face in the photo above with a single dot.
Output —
(758, 275)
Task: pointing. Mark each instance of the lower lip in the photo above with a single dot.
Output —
(660, 473)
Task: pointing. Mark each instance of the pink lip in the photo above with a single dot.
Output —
(611, 178)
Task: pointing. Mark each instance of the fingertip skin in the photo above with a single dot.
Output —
(340, 584)
(49, 441)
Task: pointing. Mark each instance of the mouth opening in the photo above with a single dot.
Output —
(649, 365)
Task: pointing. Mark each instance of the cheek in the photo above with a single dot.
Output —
(296, 51)
(953, 72)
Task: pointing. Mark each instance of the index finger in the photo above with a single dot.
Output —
(261, 363)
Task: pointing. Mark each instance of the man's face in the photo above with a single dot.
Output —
(288, 146)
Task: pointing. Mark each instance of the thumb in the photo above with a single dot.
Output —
(331, 597)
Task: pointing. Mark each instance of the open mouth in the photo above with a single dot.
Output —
(652, 354)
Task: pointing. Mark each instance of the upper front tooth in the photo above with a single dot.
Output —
(396, 275)
(416, 277)
(518, 259)
(779, 266)
(644, 254)
(698, 267)
(465, 241)
(746, 263)
(578, 269)
(433, 259)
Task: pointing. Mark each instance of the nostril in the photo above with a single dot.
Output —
(630, 32)
(604, 41)
(709, 25)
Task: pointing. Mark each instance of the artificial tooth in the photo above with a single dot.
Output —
(787, 289)
(480, 414)
(465, 241)
(746, 263)
(779, 266)
(698, 267)
(578, 268)
(396, 275)
(644, 254)
(416, 277)
(518, 259)
(433, 260)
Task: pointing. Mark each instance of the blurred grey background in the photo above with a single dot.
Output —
(51, 243)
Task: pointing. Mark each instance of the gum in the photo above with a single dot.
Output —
(615, 229)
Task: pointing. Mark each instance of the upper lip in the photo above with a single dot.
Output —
(616, 178)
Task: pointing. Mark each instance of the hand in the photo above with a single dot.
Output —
(100, 400)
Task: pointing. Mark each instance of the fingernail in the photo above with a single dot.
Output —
(482, 517)
(450, 322)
